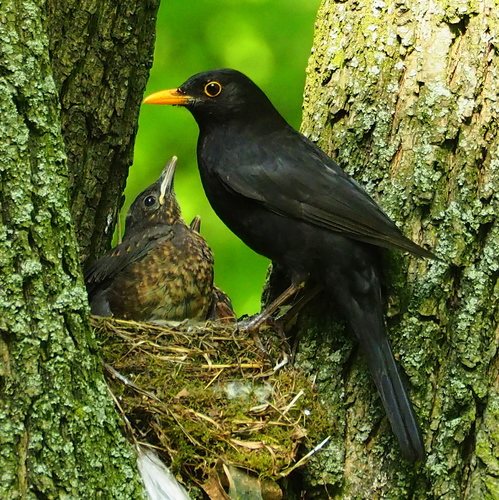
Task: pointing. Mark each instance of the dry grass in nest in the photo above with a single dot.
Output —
(205, 394)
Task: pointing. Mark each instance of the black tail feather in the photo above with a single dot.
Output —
(370, 332)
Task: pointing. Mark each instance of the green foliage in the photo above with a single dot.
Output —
(270, 42)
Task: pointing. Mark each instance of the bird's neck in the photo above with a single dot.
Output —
(164, 220)
(239, 129)
(248, 120)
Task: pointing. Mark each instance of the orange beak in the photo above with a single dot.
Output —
(171, 96)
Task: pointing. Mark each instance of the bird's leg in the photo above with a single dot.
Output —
(308, 294)
(256, 323)
(253, 326)
(281, 323)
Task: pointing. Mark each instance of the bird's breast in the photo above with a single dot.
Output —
(173, 282)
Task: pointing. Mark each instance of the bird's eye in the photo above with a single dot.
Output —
(212, 89)
(149, 201)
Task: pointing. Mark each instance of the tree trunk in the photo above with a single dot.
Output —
(404, 96)
(101, 53)
(59, 431)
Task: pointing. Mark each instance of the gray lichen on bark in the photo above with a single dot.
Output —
(404, 95)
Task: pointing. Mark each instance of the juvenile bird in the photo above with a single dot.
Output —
(221, 306)
(289, 201)
(162, 269)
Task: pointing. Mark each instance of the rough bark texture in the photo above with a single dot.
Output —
(59, 434)
(405, 96)
(100, 54)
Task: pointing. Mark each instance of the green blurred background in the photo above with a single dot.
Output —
(270, 41)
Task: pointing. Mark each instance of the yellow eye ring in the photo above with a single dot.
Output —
(212, 89)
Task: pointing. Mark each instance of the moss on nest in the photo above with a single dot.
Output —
(206, 393)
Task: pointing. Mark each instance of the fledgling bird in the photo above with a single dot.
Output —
(289, 201)
(221, 306)
(162, 270)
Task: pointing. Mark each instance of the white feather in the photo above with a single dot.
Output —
(160, 483)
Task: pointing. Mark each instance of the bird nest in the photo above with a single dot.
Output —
(208, 398)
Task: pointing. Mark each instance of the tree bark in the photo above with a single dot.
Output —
(100, 54)
(60, 436)
(404, 96)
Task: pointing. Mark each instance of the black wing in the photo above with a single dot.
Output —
(299, 180)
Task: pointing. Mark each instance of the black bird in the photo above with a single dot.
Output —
(287, 200)
(162, 270)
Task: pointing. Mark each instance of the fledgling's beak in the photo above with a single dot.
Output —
(196, 224)
(171, 96)
(166, 179)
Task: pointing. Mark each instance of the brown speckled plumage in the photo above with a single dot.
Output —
(162, 270)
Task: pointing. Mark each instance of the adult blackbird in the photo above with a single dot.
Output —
(287, 200)
(162, 270)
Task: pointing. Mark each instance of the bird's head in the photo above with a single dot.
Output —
(195, 224)
(221, 95)
(157, 204)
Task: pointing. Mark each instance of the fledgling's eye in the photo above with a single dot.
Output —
(149, 201)
(212, 89)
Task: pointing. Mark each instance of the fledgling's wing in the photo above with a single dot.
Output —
(128, 251)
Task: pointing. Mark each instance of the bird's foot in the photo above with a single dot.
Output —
(254, 326)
